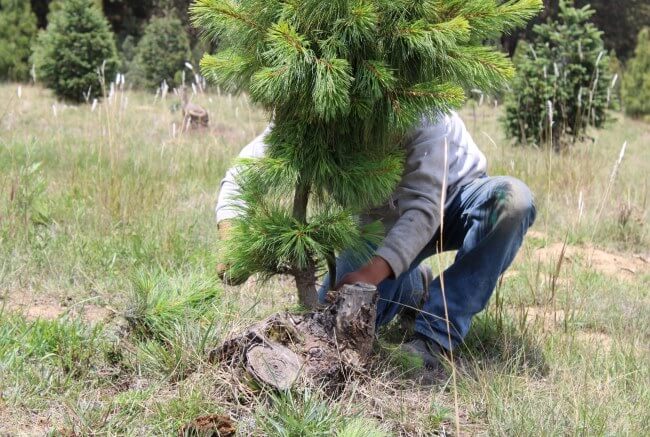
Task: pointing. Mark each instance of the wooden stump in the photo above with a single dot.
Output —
(322, 345)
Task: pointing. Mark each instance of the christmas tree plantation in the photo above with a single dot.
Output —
(343, 81)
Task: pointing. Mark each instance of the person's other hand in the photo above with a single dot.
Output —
(374, 272)
(223, 269)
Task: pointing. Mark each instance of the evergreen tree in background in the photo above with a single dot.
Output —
(76, 51)
(562, 81)
(56, 5)
(636, 82)
(161, 53)
(621, 21)
(17, 32)
(343, 81)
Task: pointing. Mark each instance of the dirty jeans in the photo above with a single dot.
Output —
(486, 222)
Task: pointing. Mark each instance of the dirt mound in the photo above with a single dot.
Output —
(550, 320)
(325, 345)
(50, 308)
(626, 266)
(214, 425)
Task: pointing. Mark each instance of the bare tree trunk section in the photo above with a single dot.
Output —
(356, 316)
(321, 346)
(306, 287)
(305, 277)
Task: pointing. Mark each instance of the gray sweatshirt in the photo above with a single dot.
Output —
(412, 215)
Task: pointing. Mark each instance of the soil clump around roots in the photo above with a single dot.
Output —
(322, 347)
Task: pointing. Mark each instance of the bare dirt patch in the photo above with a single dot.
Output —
(28, 423)
(50, 308)
(595, 340)
(545, 317)
(212, 425)
(550, 320)
(625, 266)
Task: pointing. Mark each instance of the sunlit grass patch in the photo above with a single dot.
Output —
(67, 347)
(175, 321)
(307, 413)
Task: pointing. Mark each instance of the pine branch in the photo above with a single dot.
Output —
(229, 69)
(332, 88)
(216, 17)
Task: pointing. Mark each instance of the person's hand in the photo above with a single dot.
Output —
(223, 229)
(374, 272)
(223, 269)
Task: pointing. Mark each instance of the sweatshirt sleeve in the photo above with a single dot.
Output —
(418, 195)
(227, 203)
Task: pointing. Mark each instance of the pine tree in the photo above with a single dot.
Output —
(343, 81)
(636, 82)
(161, 53)
(621, 21)
(17, 32)
(76, 51)
(562, 81)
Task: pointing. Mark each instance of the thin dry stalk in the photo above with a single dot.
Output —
(608, 189)
(443, 201)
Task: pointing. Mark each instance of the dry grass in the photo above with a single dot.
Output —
(98, 204)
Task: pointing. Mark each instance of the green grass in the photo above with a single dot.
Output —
(109, 304)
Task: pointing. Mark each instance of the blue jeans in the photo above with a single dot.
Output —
(486, 223)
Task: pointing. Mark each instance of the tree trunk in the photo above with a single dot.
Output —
(306, 286)
(305, 277)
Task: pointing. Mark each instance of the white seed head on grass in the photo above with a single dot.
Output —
(619, 161)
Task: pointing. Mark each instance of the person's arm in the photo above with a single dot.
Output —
(226, 208)
(418, 197)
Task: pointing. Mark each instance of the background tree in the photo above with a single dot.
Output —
(17, 32)
(549, 12)
(562, 81)
(129, 17)
(56, 5)
(636, 82)
(621, 21)
(77, 48)
(161, 53)
(344, 80)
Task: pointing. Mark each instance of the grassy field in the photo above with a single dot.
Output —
(109, 303)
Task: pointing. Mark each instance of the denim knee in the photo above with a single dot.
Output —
(520, 204)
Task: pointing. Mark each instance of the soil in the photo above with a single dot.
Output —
(549, 319)
(324, 345)
(50, 308)
(625, 266)
(553, 321)
(214, 425)
(596, 340)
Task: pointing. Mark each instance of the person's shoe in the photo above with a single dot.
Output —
(432, 353)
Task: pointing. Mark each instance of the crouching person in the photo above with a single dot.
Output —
(444, 201)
